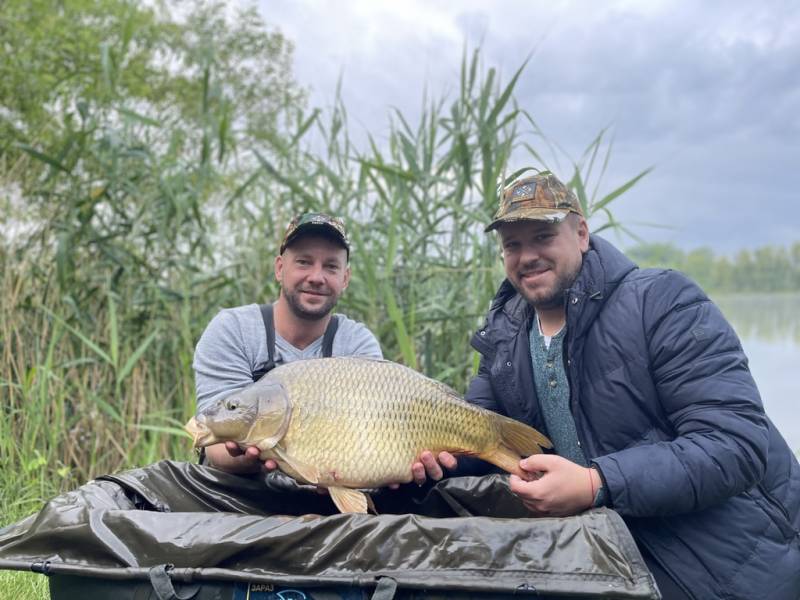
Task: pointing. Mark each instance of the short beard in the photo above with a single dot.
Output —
(557, 296)
(309, 315)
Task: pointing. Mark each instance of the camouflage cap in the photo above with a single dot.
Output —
(539, 198)
(319, 223)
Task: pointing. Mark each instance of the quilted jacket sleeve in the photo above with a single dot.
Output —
(706, 390)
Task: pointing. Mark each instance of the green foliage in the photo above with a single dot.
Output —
(116, 160)
(150, 186)
(766, 269)
(221, 79)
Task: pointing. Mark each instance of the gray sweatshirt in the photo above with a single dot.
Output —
(234, 345)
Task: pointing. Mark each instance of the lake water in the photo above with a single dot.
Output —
(769, 328)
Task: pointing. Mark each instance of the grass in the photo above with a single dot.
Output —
(17, 585)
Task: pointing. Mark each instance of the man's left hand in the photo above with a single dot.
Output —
(559, 487)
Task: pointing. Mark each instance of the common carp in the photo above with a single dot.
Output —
(346, 423)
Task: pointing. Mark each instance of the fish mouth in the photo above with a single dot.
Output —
(201, 434)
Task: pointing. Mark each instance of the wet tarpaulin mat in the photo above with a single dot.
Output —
(183, 523)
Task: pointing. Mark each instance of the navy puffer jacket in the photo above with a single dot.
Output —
(665, 405)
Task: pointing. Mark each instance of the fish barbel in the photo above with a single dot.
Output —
(346, 423)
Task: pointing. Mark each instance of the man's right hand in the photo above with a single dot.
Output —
(430, 466)
(229, 457)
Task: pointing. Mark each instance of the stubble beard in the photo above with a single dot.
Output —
(296, 306)
(553, 297)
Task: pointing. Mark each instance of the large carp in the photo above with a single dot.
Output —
(345, 423)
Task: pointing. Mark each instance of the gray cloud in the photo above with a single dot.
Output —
(709, 92)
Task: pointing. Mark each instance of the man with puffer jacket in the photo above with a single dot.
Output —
(644, 389)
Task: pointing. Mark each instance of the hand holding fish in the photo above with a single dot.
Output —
(247, 460)
(430, 466)
(230, 457)
(558, 487)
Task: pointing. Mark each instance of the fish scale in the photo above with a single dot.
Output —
(377, 427)
(348, 422)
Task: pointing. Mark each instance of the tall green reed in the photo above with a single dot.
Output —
(417, 201)
(141, 229)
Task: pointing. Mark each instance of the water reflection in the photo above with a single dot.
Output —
(769, 328)
(767, 317)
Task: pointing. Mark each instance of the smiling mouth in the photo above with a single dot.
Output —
(532, 274)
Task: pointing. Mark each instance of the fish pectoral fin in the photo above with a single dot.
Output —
(309, 473)
(349, 501)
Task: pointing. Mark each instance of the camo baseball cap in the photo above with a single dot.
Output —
(539, 198)
(318, 223)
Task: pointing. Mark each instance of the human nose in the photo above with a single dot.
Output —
(529, 253)
(316, 275)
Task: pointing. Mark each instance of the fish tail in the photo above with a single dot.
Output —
(517, 440)
(505, 458)
(521, 438)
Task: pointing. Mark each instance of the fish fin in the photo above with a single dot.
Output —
(521, 438)
(349, 501)
(309, 473)
(517, 440)
(371, 505)
(506, 459)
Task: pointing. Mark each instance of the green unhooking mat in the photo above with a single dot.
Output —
(180, 530)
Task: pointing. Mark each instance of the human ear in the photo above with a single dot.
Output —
(583, 235)
(346, 277)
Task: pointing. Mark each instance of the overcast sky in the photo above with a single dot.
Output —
(708, 92)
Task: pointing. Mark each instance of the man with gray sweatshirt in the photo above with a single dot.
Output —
(241, 344)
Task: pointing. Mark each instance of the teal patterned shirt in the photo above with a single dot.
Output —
(552, 388)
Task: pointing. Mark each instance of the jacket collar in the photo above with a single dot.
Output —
(603, 268)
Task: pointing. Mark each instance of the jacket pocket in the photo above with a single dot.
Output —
(774, 509)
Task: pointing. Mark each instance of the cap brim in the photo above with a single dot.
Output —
(548, 215)
(323, 229)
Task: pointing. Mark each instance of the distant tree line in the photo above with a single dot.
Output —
(765, 269)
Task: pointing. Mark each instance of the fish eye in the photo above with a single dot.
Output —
(231, 405)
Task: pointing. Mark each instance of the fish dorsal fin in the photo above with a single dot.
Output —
(307, 472)
(349, 501)
(446, 389)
